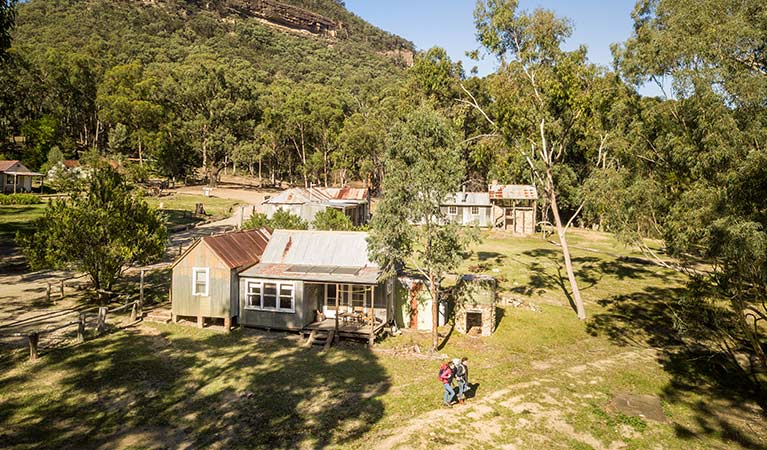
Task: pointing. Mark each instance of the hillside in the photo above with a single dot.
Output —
(160, 30)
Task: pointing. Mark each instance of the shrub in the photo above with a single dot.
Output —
(19, 199)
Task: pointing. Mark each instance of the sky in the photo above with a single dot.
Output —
(450, 24)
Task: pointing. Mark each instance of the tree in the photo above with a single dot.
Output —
(332, 219)
(543, 99)
(100, 230)
(280, 220)
(423, 166)
(7, 20)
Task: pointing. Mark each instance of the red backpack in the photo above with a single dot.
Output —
(441, 372)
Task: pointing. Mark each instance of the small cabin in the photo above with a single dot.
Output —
(413, 307)
(15, 177)
(205, 278)
(307, 202)
(515, 207)
(316, 280)
(469, 209)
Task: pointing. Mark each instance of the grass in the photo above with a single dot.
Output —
(179, 208)
(543, 380)
(17, 218)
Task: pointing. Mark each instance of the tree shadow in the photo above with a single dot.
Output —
(705, 377)
(180, 389)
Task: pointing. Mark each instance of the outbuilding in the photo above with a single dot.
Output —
(205, 278)
(307, 202)
(15, 177)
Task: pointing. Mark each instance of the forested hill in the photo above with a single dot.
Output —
(190, 84)
(151, 30)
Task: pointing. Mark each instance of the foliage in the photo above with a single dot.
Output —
(423, 166)
(281, 220)
(7, 18)
(19, 199)
(333, 220)
(99, 230)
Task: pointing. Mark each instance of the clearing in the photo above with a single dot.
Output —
(620, 380)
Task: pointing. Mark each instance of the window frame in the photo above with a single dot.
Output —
(279, 285)
(473, 209)
(452, 210)
(195, 271)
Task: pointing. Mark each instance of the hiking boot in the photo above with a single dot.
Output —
(449, 405)
(461, 402)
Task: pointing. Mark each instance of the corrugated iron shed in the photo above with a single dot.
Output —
(300, 196)
(513, 192)
(468, 199)
(239, 249)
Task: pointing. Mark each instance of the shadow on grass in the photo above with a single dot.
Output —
(705, 378)
(180, 389)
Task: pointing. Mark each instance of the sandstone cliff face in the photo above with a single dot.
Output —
(286, 15)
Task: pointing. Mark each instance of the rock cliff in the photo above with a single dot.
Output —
(285, 15)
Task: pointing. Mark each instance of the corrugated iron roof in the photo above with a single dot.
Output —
(513, 192)
(71, 163)
(5, 164)
(300, 196)
(239, 249)
(469, 199)
(289, 250)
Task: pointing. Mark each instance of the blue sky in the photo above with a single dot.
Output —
(450, 24)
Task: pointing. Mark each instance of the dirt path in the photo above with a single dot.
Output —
(540, 404)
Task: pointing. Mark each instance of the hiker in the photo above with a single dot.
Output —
(462, 377)
(446, 378)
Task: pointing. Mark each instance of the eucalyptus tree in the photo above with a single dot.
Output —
(542, 101)
(423, 166)
(7, 19)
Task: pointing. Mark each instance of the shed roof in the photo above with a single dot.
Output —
(5, 164)
(239, 249)
(71, 163)
(332, 256)
(468, 199)
(21, 169)
(300, 196)
(513, 192)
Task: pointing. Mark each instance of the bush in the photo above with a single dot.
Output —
(19, 199)
(332, 219)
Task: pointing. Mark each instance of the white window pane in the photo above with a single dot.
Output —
(270, 295)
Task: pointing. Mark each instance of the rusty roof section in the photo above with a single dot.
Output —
(300, 196)
(71, 163)
(240, 249)
(513, 192)
(5, 165)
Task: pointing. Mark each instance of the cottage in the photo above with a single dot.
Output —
(15, 177)
(469, 208)
(320, 280)
(307, 202)
(205, 280)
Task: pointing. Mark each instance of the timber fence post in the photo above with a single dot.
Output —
(133, 312)
(141, 295)
(102, 320)
(34, 339)
(61, 288)
(48, 292)
(81, 328)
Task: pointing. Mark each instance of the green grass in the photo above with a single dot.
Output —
(17, 218)
(179, 208)
(543, 380)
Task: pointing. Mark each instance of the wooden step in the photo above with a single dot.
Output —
(160, 316)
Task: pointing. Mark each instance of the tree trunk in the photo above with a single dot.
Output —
(434, 312)
(576, 295)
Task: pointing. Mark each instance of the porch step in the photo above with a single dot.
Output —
(321, 337)
(159, 315)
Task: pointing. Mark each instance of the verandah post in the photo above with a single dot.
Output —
(371, 335)
(338, 292)
(34, 338)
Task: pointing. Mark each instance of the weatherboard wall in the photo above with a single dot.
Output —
(218, 302)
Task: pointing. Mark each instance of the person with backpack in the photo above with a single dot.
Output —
(462, 376)
(446, 378)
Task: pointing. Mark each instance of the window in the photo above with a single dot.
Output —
(253, 295)
(9, 179)
(452, 210)
(270, 296)
(330, 295)
(200, 279)
(475, 210)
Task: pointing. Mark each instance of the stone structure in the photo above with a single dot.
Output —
(475, 305)
(286, 15)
